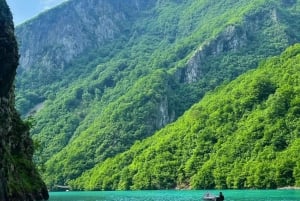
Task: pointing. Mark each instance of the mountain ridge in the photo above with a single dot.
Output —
(100, 28)
(126, 90)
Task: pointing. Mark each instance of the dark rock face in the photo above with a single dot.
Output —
(19, 179)
(8, 51)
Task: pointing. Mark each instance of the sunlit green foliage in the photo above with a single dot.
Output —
(243, 135)
(125, 91)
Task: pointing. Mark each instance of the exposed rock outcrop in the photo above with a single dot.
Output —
(79, 26)
(163, 114)
(233, 38)
(19, 179)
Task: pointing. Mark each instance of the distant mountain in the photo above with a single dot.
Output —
(102, 75)
(242, 135)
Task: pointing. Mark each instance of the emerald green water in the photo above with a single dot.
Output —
(184, 195)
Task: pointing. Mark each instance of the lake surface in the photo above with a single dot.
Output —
(172, 195)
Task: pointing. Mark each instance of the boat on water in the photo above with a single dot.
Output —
(212, 197)
(209, 197)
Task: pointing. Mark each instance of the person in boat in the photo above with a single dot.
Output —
(221, 197)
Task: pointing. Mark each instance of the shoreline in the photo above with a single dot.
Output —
(289, 188)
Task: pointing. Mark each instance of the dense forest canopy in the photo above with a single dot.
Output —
(244, 134)
(102, 80)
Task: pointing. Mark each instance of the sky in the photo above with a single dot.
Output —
(24, 10)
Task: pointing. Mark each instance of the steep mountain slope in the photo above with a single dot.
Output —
(161, 58)
(19, 179)
(243, 135)
(50, 42)
(85, 25)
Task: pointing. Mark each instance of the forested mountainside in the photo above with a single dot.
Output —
(19, 178)
(107, 74)
(245, 134)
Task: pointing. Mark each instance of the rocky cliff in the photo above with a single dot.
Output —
(234, 38)
(55, 38)
(19, 180)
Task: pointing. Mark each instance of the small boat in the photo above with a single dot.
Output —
(209, 197)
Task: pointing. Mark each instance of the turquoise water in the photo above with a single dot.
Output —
(185, 195)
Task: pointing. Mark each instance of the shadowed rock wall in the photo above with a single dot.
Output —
(19, 179)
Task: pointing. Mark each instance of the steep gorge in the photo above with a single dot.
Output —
(149, 67)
